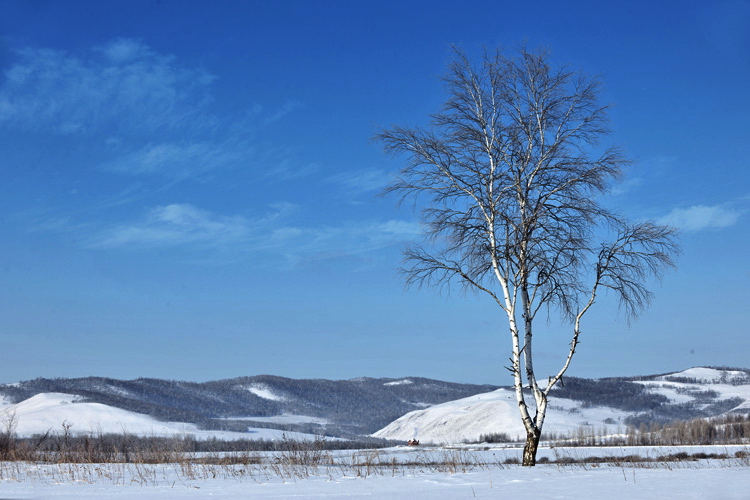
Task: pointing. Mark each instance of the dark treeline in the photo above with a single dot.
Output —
(726, 429)
(730, 429)
(613, 392)
(124, 448)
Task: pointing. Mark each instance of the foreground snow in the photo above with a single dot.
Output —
(541, 483)
(720, 479)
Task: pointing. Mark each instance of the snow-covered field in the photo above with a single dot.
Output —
(706, 479)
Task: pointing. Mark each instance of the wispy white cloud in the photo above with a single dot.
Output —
(287, 108)
(659, 163)
(357, 238)
(700, 217)
(627, 186)
(182, 224)
(151, 113)
(362, 181)
(396, 229)
(122, 85)
(271, 234)
(179, 160)
(283, 167)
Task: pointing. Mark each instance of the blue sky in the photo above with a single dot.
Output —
(190, 189)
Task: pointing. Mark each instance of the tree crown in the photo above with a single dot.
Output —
(513, 175)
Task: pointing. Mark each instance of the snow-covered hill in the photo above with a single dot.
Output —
(469, 418)
(53, 411)
(332, 407)
(710, 390)
(702, 375)
(688, 394)
(267, 407)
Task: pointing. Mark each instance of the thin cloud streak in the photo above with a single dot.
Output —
(273, 234)
(702, 217)
(123, 84)
(287, 108)
(181, 224)
(363, 181)
(180, 160)
(124, 94)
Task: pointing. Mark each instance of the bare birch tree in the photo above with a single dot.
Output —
(512, 177)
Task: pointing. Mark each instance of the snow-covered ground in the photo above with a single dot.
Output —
(705, 479)
(49, 411)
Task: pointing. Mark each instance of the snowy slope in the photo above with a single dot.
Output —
(265, 392)
(49, 411)
(469, 418)
(455, 421)
(709, 376)
(684, 386)
(695, 390)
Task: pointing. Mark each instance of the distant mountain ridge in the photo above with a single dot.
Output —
(394, 408)
(317, 406)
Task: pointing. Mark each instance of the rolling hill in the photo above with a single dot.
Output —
(242, 405)
(608, 405)
(441, 412)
